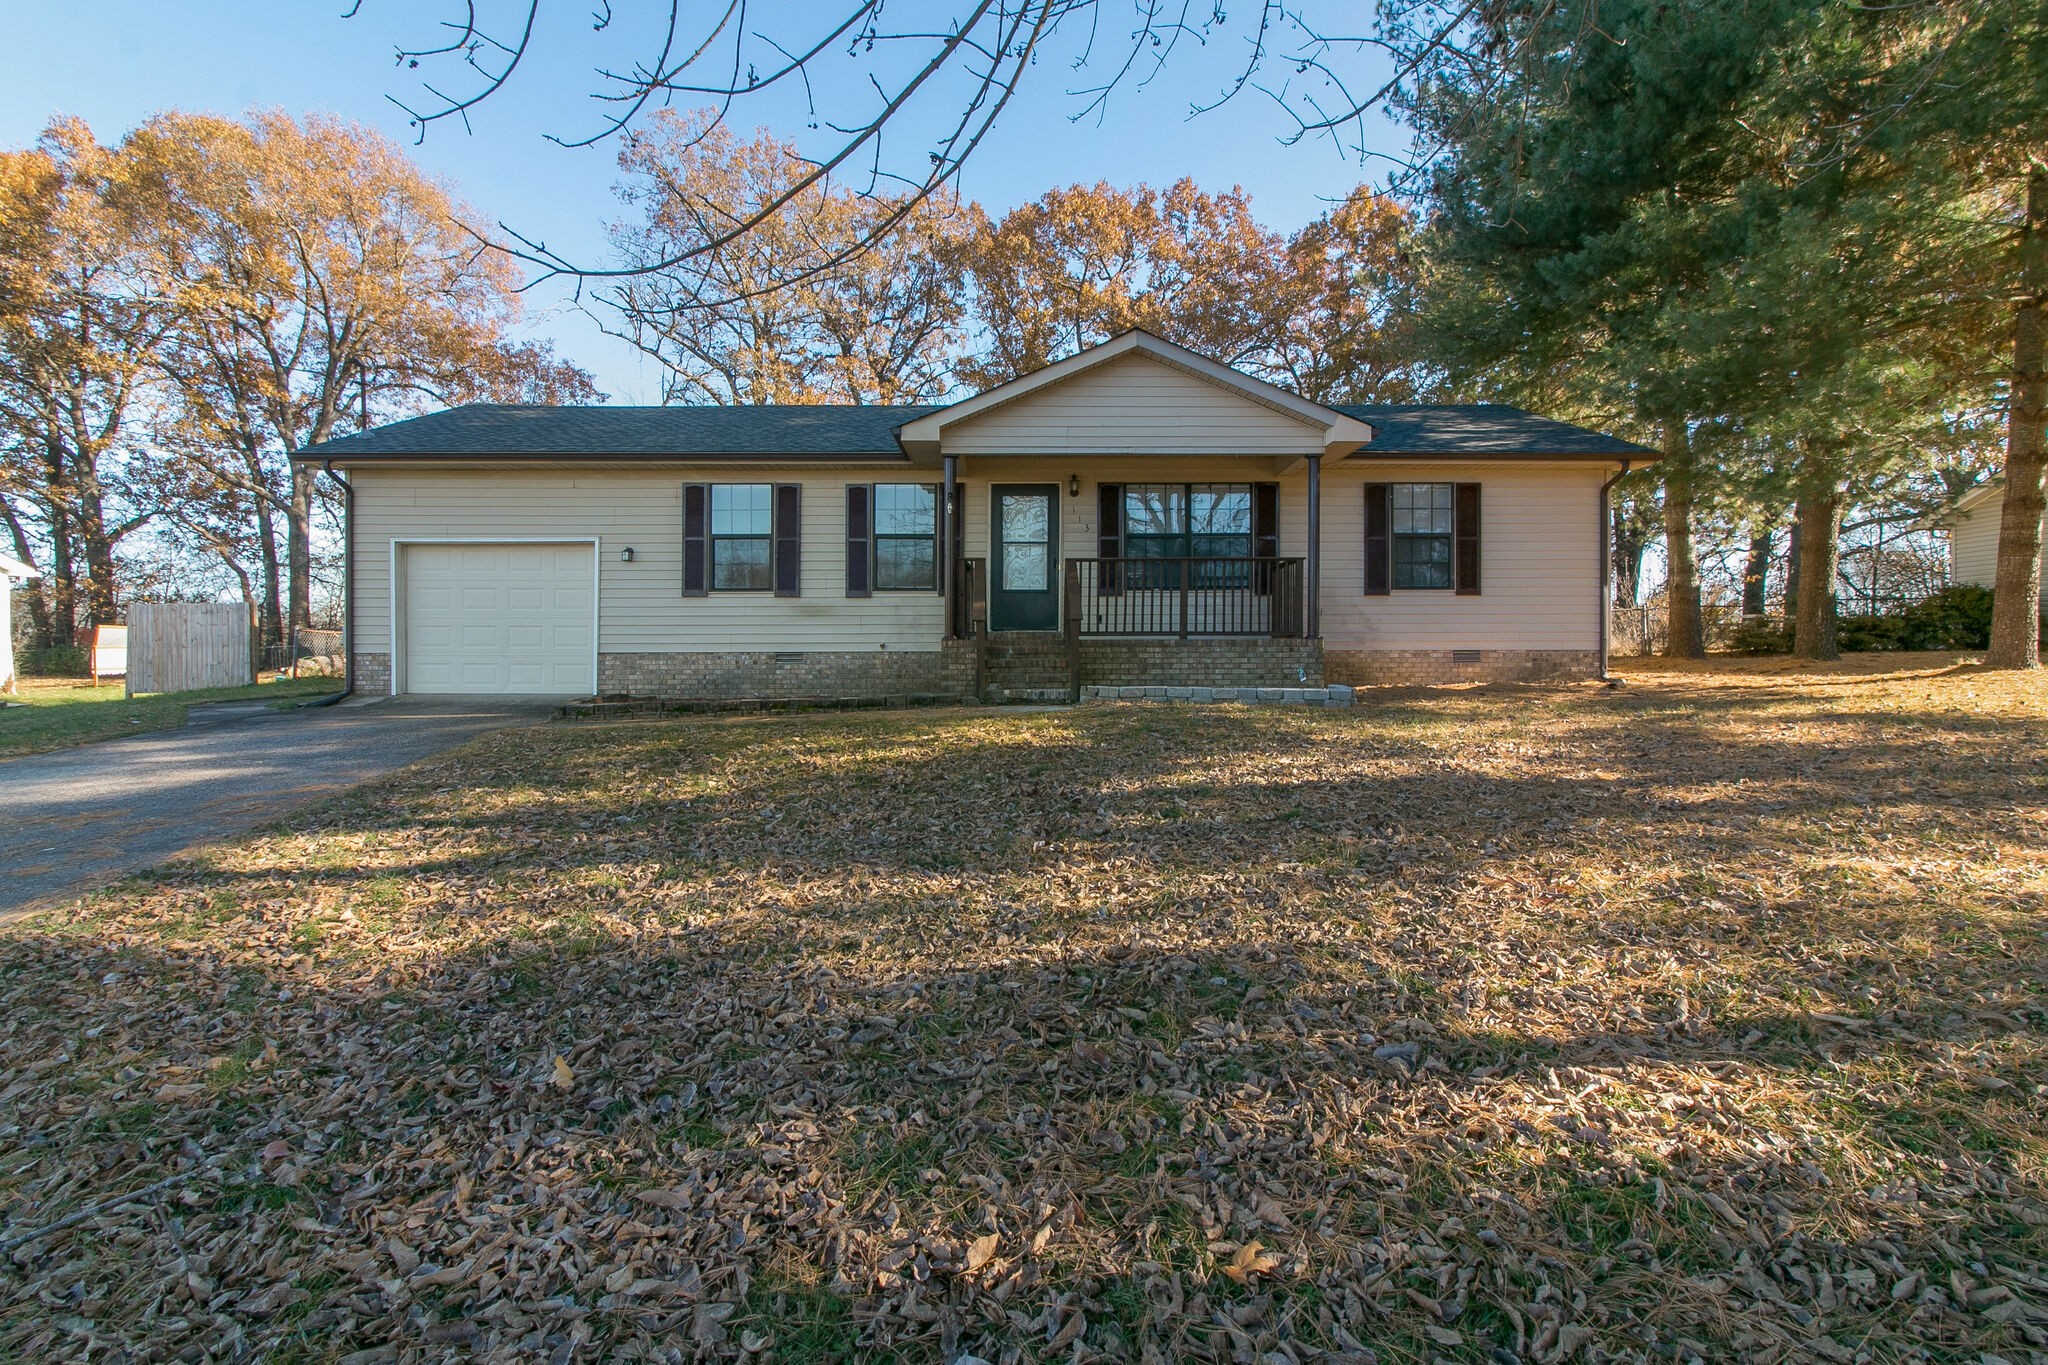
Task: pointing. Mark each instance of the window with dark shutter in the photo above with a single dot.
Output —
(789, 538)
(1379, 545)
(1109, 537)
(696, 541)
(1465, 526)
(906, 537)
(1423, 535)
(858, 543)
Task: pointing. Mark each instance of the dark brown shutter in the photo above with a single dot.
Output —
(696, 541)
(1109, 537)
(1379, 544)
(789, 538)
(1265, 534)
(859, 538)
(1465, 531)
(1266, 520)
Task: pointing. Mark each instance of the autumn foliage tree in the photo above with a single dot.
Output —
(951, 297)
(755, 320)
(80, 331)
(186, 308)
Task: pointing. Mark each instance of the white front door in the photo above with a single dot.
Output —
(499, 618)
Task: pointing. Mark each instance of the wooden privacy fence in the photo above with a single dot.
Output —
(182, 646)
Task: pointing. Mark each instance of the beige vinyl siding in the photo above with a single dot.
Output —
(1134, 405)
(1539, 562)
(641, 608)
(1973, 544)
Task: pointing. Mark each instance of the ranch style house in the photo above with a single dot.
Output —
(1136, 515)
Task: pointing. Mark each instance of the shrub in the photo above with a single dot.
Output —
(1954, 618)
(1760, 635)
(1863, 634)
(58, 661)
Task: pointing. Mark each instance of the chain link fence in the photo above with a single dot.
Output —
(308, 654)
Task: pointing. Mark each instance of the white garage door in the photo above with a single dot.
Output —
(500, 618)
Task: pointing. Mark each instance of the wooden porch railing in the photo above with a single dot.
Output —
(1186, 597)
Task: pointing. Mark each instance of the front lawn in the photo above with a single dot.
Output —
(62, 712)
(1700, 1020)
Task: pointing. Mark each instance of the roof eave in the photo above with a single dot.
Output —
(318, 456)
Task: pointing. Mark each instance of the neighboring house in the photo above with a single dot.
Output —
(10, 571)
(1972, 526)
(1136, 515)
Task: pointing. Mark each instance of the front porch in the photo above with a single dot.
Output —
(1212, 623)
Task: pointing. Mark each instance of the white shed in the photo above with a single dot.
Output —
(10, 570)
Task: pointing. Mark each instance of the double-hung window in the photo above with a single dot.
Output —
(1205, 521)
(1421, 516)
(742, 532)
(906, 536)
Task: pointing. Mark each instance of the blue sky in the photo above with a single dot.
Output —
(114, 62)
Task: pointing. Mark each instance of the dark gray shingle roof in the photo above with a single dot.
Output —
(1444, 429)
(844, 432)
(537, 432)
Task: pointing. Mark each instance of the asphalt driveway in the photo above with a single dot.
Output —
(77, 818)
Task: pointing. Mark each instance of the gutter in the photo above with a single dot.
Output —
(1603, 580)
(348, 589)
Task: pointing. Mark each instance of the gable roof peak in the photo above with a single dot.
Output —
(1342, 433)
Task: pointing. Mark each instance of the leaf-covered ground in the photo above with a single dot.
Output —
(1701, 1020)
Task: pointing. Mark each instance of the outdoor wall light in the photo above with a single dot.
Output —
(626, 555)
(1073, 485)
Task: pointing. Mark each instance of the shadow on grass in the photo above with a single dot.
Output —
(1533, 1035)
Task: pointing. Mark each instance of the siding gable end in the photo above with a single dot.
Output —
(1134, 404)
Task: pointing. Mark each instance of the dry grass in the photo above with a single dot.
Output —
(61, 713)
(1699, 1020)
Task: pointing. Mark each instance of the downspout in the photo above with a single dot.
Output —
(348, 588)
(1604, 580)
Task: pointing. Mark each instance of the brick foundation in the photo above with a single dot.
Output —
(1421, 667)
(373, 673)
(1202, 663)
(947, 671)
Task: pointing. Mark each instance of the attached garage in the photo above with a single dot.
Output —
(515, 617)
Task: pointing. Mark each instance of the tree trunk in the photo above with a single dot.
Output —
(1629, 545)
(271, 620)
(1685, 628)
(1792, 570)
(2016, 597)
(1756, 570)
(299, 547)
(1820, 550)
(63, 580)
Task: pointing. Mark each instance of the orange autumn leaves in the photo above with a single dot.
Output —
(801, 308)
